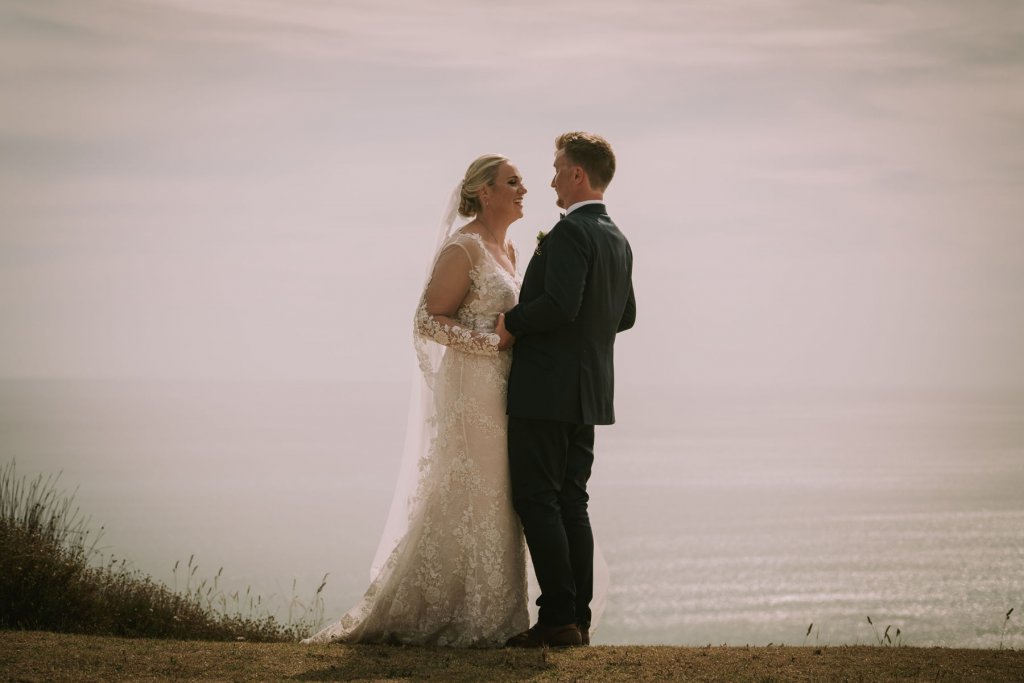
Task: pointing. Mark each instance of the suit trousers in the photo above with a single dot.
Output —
(550, 464)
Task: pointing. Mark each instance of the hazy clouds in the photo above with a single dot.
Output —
(817, 193)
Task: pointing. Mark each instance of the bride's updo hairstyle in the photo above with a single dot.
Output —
(481, 172)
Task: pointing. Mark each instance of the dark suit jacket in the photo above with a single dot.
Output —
(577, 294)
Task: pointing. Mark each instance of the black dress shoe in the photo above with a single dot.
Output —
(584, 636)
(552, 636)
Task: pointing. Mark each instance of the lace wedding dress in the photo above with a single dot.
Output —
(456, 575)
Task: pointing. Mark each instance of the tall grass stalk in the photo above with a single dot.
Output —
(885, 639)
(1002, 633)
(875, 631)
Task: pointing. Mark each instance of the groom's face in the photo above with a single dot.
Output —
(564, 179)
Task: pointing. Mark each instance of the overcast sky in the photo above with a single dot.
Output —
(817, 193)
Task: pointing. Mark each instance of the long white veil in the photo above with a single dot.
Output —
(419, 428)
(420, 431)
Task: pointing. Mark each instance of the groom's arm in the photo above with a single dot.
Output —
(565, 277)
(629, 313)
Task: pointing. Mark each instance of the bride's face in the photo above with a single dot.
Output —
(505, 197)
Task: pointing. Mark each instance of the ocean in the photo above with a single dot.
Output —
(726, 518)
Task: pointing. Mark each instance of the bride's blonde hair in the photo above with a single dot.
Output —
(481, 172)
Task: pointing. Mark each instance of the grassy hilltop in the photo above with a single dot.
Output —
(32, 656)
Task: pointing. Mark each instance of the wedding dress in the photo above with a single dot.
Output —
(452, 566)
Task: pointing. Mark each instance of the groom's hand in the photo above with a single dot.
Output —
(505, 340)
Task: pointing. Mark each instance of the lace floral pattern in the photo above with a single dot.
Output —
(458, 576)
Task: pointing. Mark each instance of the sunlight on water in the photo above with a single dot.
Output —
(723, 521)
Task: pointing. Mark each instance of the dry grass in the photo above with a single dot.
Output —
(35, 656)
(52, 579)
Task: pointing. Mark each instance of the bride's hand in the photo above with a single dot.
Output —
(506, 340)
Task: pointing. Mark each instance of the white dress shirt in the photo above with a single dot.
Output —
(583, 203)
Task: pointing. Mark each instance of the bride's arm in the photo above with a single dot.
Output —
(448, 287)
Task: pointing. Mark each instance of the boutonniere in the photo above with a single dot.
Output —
(540, 240)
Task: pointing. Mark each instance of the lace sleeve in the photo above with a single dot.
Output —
(447, 331)
(448, 287)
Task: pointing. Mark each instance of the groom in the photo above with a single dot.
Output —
(577, 293)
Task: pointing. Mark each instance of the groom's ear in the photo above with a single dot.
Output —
(578, 174)
(584, 179)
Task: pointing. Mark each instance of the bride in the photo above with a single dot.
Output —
(451, 567)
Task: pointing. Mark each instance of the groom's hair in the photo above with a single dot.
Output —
(590, 152)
